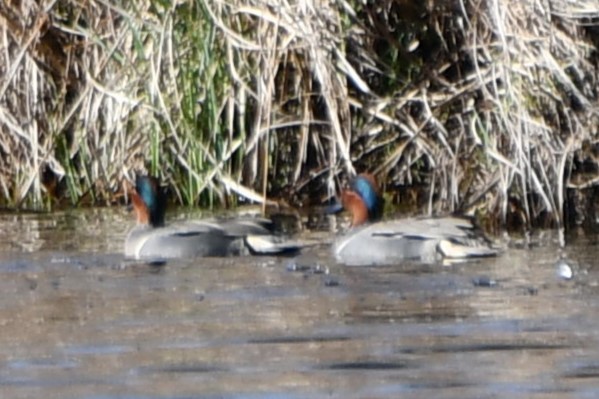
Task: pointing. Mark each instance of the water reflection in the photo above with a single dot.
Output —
(78, 321)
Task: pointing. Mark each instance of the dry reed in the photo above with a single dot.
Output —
(478, 105)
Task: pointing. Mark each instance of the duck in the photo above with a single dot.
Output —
(153, 239)
(372, 241)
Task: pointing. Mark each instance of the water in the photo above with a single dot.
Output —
(78, 321)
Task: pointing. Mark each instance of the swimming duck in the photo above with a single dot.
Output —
(387, 242)
(152, 239)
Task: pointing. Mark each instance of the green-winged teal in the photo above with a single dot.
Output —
(386, 242)
(152, 239)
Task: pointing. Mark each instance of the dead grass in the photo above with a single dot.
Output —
(480, 106)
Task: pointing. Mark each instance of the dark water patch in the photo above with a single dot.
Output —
(57, 261)
(589, 371)
(254, 293)
(168, 396)
(182, 368)
(437, 385)
(298, 339)
(566, 323)
(55, 382)
(98, 349)
(367, 366)
(16, 265)
(29, 364)
(403, 315)
(484, 281)
(200, 396)
(486, 347)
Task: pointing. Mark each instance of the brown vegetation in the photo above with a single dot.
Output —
(455, 105)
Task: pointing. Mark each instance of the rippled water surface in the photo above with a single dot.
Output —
(78, 321)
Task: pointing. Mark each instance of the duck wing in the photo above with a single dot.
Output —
(258, 235)
(454, 237)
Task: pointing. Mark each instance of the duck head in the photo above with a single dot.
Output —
(148, 201)
(362, 200)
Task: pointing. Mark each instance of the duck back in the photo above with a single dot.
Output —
(424, 240)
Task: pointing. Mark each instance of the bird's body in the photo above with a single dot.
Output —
(152, 239)
(385, 242)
